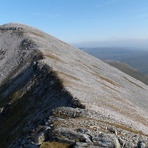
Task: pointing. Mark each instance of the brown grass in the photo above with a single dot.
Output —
(36, 34)
(105, 79)
(63, 43)
(74, 125)
(122, 100)
(89, 67)
(54, 57)
(126, 128)
(115, 125)
(55, 145)
(133, 82)
(128, 112)
(97, 72)
(68, 75)
(112, 88)
(96, 67)
(109, 81)
(78, 61)
(81, 87)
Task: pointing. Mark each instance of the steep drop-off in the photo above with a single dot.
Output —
(52, 93)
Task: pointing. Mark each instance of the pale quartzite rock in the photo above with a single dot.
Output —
(53, 92)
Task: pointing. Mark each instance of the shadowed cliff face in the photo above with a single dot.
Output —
(27, 100)
(39, 73)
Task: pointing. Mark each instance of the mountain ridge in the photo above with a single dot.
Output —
(40, 73)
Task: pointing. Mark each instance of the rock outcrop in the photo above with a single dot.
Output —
(52, 94)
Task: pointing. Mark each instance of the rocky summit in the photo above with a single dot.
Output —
(54, 95)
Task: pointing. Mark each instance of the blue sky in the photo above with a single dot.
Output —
(112, 22)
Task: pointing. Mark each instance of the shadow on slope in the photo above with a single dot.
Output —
(27, 100)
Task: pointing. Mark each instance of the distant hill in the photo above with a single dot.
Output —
(128, 70)
(138, 59)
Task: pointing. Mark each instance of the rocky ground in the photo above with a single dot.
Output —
(80, 128)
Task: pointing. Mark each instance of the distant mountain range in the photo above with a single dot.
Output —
(137, 59)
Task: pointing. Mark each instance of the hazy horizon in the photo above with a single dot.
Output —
(133, 44)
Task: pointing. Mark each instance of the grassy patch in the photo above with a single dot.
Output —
(105, 79)
(115, 125)
(109, 81)
(36, 34)
(10, 127)
(11, 97)
(111, 88)
(68, 76)
(133, 82)
(15, 96)
(122, 100)
(55, 145)
(128, 112)
(96, 67)
(54, 58)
